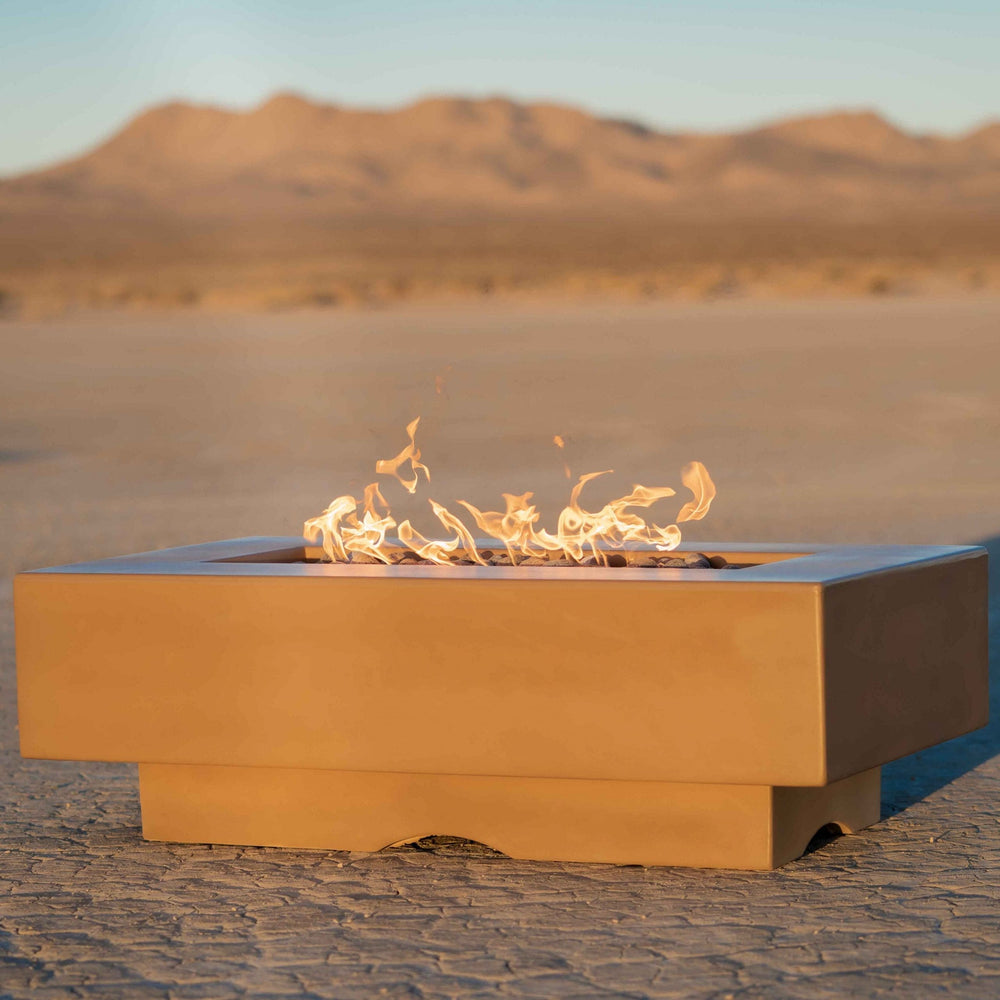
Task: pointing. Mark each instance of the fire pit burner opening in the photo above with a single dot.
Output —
(491, 556)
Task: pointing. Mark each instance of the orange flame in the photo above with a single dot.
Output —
(560, 443)
(580, 533)
(411, 454)
(696, 478)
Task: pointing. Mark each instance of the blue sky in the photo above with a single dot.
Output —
(72, 72)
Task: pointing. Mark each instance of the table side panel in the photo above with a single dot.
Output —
(687, 682)
(907, 662)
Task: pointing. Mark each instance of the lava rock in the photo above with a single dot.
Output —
(617, 559)
(697, 560)
(718, 562)
(646, 560)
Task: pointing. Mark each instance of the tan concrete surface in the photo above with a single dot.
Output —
(871, 421)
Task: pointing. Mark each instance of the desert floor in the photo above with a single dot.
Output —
(873, 420)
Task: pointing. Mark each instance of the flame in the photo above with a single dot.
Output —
(440, 552)
(440, 380)
(411, 454)
(560, 443)
(580, 533)
(695, 477)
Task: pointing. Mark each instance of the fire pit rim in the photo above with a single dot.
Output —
(787, 563)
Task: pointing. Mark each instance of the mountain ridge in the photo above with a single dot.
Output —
(303, 203)
(291, 154)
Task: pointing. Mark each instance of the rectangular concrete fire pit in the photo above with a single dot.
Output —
(701, 717)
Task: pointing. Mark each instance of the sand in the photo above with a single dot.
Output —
(850, 421)
(865, 421)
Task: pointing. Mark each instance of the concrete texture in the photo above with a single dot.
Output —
(854, 421)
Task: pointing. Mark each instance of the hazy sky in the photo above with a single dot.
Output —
(71, 72)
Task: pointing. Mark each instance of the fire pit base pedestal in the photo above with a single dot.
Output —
(554, 819)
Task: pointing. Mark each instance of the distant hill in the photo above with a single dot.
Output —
(295, 155)
(471, 180)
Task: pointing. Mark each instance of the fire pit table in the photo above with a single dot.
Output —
(705, 717)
